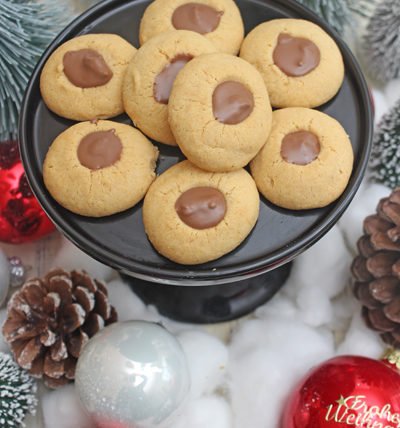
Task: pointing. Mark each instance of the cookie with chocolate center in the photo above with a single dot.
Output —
(217, 20)
(192, 216)
(219, 112)
(301, 64)
(99, 168)
(306, 162)
(82, 79)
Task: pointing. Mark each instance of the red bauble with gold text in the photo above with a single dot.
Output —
(21, 217)
(347, 391)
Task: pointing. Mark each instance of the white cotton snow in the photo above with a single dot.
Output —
(360, 340)
(280, 306)
(267, 359)
(391, 92)
(381, 103)
(207, 359)
(206, 412)
(62, 409)
(128, 305)
(319, 275)
(70, 257)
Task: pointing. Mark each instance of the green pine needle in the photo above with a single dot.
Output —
(382, 41)
(26, 29)
(17, 393)
(335, 12)
(363, 8)
(339, 13)
(385, 158)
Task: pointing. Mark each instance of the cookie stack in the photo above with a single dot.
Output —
(185, 86)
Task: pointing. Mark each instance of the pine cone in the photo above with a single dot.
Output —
(51, 319)
(377, 270)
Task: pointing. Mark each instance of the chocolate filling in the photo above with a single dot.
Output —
(201, 207)
(232, 103)
(86, 68)
(99, 150)
(164, 81)
(296, 56)
(196, 17)
(300, 148)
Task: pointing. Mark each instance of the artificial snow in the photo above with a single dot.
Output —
(62, 409)
(69, 257)
(267, 358)
(207, 369)
(128, 305)
(360, 340)
(381, 102)
(206, 412)
(391, 93)
(319, 275)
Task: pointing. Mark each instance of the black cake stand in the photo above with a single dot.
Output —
(242, 280)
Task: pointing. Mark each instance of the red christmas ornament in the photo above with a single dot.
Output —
(108, 424)
(21, 217)
(345, 392)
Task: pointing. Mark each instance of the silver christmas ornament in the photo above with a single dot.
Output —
(4, 277)
(132, 375)
(12, 274)
(17, 272)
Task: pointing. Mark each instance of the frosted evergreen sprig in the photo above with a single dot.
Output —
(339, 13)
(335, 12)
(17, 393)
(382, 41)
(26, 29)
(363, 8)
(385, 158)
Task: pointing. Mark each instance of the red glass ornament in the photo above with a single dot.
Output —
(345, 392)
(21, 217)
(109, 424)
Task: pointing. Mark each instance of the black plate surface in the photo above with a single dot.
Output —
(120, 240)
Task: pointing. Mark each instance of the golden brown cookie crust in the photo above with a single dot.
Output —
(72, 102)
(182, 244)
(299, 187)
(150, 116)
(310, 90)
(226, 38)
(106, 191)
(206, 142)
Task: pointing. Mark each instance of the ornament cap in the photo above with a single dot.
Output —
(392, 356)
(18, 271)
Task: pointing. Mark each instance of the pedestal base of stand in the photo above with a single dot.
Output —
(210, 304)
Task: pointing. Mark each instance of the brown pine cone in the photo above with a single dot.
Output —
(49, 321)
(377, 270)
